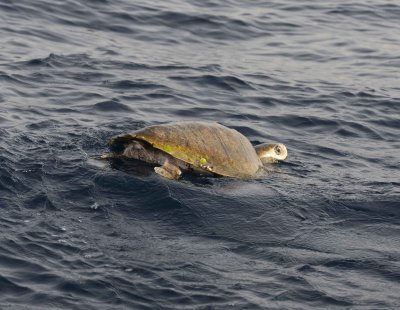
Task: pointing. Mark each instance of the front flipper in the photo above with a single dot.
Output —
(168, 171)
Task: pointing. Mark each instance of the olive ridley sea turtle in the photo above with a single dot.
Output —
(195, 146)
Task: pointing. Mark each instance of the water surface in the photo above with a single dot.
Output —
(321, 230)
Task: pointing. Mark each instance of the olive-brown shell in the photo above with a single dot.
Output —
(209, 146)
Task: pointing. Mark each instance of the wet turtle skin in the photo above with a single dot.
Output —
(208, 146)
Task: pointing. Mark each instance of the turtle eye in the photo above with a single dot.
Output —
(278, 150)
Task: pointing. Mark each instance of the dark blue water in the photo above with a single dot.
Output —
(322, 230)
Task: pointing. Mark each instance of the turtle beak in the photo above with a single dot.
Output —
(280, 151)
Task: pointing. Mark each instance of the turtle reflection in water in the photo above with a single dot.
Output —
(195, 146)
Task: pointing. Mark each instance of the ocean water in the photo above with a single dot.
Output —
(321, 230)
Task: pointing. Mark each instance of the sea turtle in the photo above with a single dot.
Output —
(195, 146)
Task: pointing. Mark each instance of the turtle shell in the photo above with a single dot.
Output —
(209, 146)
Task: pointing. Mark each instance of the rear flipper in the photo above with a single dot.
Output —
(117, 144)
(168, 171)
(107, 156)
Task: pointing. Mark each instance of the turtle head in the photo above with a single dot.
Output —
(271, 153)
